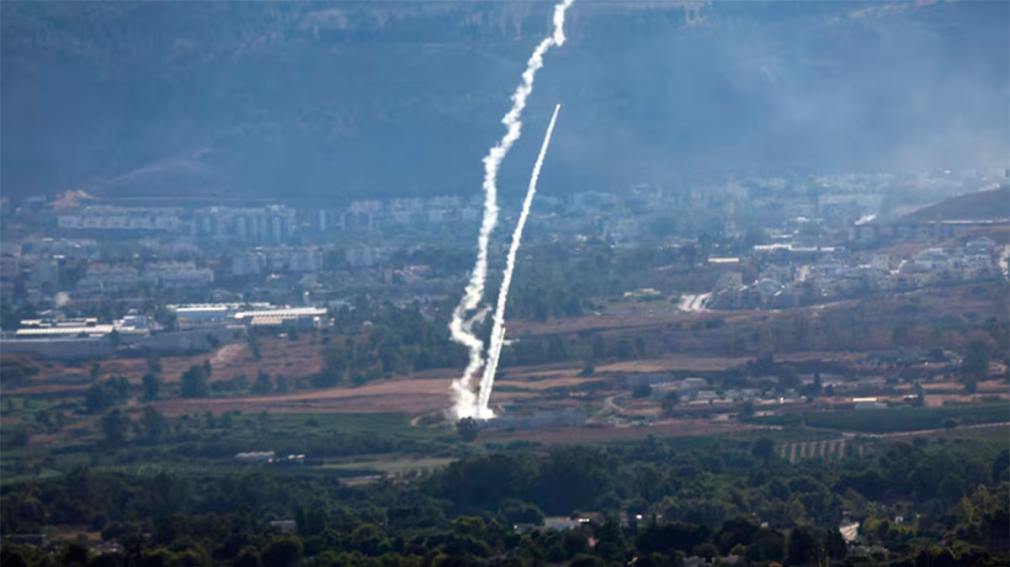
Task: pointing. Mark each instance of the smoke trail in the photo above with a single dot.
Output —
(461, 328)
(498, 330)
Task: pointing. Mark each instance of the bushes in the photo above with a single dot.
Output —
(468, 429)
(195, 382)
(397, 342)
(107, 393)
(713, 499)
(895, 419)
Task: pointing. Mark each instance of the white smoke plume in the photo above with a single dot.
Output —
(498, 329)
(461, 327)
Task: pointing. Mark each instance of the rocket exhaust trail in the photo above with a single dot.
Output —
(461, 326)
(498, 330)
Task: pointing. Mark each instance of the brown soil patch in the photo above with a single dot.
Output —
(934, 401)
(294, 360)
(400, 395)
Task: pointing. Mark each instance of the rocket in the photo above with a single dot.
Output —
(497, 343)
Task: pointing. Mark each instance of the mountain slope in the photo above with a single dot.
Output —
(341, 100)
(993, 204)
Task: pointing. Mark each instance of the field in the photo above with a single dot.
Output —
(397, 424)
(210, 440)
(293, 359)
(894, 419)
(663, 429)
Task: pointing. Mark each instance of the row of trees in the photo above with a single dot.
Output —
(651, 503)
(106, 393)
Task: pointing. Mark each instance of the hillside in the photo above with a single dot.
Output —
(390, 98)
(993, 204)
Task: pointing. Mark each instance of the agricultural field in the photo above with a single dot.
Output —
(891, 420)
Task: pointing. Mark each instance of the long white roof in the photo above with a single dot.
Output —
(280, 313)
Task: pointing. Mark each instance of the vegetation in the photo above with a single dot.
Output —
(896, 419)
(195, 382)
(648, 502)
(394, 341)
(107, 393)
(468, 429)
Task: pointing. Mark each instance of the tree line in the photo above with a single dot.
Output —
(649, 502)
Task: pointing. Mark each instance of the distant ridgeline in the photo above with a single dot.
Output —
(170, 99)
(984, 213)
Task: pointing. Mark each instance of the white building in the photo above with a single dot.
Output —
(301, 317)
(121, 218)
(868, 403)
(135, 325)
(254, 314)
(178, 275)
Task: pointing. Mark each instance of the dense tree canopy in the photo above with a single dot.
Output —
(647, 500)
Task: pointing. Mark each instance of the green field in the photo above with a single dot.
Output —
(893, 420)
(204, 441)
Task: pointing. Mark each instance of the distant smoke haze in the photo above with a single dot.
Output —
(308, 99)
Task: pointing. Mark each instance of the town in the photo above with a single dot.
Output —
(821, 316)
(75, 269)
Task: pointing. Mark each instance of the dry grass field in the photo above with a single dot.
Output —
(278, 357)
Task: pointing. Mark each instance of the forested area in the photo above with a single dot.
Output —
(391, 341)
(650, 502)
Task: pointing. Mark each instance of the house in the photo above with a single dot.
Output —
(689, 387)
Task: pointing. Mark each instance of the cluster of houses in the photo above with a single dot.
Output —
(103, 279)
(282, 259)
(787, 280)
(268, 224)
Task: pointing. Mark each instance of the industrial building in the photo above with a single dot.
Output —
(248, 315)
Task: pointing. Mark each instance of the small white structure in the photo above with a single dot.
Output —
(255, 457)
(868, 403)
